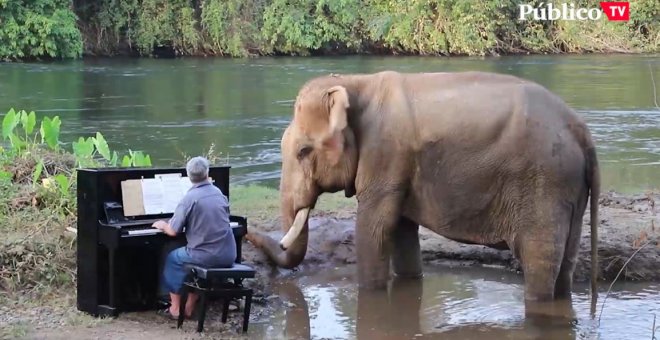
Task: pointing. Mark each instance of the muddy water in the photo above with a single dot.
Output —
(451, 303)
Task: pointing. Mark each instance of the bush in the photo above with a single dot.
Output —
(38, 28)
(301, 27)
(38, 199)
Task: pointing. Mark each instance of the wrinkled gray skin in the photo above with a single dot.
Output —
(476, 157)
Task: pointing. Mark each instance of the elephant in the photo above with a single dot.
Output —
(477, 157)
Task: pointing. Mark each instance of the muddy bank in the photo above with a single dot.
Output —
(628, 223)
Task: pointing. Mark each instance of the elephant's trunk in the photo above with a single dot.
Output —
(291, 251)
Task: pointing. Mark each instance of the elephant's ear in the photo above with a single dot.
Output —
(333, 143)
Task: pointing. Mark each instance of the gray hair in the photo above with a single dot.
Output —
(197, 169)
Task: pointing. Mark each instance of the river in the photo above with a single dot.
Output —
(168, 108)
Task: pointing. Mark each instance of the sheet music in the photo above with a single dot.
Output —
(185, 184)
(131, 191)
(176, 175)
(172, 193)
(152, 196)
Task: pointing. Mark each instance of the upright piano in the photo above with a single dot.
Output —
(119, 257)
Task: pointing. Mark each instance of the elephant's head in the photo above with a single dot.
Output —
(319, 154)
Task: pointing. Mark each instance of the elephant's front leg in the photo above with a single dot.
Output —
(406, 253)
(376, 220)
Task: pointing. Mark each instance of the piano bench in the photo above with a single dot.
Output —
(215, 282)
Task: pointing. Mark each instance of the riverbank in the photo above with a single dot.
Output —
(627, 222)
(238, 28)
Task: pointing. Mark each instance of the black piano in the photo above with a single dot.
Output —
(120, 258)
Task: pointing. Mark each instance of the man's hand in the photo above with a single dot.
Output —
(160, 224)
(164, 226)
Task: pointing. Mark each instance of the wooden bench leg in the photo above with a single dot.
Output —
(203, 306)
(246, 312)
(182, 306)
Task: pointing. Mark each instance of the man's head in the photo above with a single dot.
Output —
(198, 169)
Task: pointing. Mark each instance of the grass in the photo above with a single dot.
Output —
(15, 330)
(261, 203)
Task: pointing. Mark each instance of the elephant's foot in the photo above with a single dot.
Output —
(373, 266)
(373, 278)
(560, 311)
(373, 285)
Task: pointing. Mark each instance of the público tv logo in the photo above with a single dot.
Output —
(614, 10)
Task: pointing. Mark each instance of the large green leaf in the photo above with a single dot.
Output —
(138, 158)
(83, 150)
(114, 159)
(23, 117)
(101, 146)
(63, 184)
(37, 172)
(50, 131)
(126, 161)
(16, 142)
(9, 123)
(31, 122)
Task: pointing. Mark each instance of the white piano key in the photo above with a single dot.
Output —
(145, 232)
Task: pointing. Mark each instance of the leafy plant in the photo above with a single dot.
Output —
(39, 28)
(136, 158)
(86, 149)
(35, 150)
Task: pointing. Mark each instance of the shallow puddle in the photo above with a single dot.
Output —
(452, 303)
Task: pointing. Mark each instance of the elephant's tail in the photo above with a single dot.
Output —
(593, 179)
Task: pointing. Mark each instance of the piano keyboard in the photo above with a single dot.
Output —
(154, 231)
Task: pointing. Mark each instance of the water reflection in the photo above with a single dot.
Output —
(395, 314)
(451, 304)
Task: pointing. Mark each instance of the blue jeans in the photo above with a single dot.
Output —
(173, 272)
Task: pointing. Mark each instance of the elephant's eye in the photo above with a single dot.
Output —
(304, 151)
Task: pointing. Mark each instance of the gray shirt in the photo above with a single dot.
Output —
(204, 212)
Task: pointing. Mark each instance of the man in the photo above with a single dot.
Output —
(204, 212)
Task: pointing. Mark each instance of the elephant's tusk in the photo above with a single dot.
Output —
(296, 229)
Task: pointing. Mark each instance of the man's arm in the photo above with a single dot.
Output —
(175, 225)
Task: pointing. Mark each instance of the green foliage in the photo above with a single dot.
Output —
(49, 130)
(299, 26)
(242, 28)
(166, 23)
(38, 28)
(136, 158)
(232, 27)
(27, 150)
(38, 200)
(86, 150)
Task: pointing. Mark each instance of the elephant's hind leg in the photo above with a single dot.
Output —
(542, 251)
(406, 255)
(564, 284)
